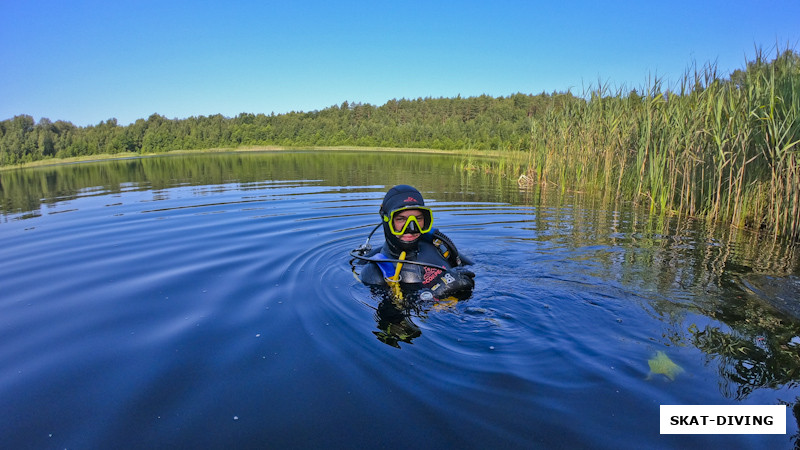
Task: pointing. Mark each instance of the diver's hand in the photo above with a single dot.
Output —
(453, 282)
(463, 271)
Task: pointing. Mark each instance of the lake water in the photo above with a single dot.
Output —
(208, 301)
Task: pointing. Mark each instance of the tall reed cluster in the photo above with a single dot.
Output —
(725, 149)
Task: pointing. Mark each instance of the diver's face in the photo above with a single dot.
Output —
(400, 220)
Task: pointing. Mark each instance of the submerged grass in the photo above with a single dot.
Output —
(723, 149)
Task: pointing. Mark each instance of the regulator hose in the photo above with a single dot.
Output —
(365, 248)
(354, 254)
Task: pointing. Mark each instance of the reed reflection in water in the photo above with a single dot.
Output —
(207, 301)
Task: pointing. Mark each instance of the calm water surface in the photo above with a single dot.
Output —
(208, 302)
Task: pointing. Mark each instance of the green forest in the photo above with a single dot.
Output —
(436, 123)
(720, 147)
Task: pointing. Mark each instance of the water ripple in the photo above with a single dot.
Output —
(188, 315)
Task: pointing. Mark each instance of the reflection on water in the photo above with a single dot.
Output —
(207, 301)
(780, 292)
(395, 322)
(715, 281)
(31, 189)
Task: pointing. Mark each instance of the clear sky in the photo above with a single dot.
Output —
(88, 61)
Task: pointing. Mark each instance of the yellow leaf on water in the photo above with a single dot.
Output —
(661, 364)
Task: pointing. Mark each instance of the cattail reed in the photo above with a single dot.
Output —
(724, 149)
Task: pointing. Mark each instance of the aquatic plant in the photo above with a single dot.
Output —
(724, 149)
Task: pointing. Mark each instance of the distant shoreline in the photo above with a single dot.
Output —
(249, 149)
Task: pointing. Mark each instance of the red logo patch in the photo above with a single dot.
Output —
(430, 275)
(409, 199)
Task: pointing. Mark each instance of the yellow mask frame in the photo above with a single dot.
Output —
(427, 219)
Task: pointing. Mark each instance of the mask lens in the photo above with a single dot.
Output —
(419, 221)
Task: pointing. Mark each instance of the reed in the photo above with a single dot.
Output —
(724, 149)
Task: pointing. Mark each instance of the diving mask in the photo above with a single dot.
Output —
(419, 221)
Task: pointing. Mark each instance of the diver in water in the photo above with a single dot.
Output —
(415, 256)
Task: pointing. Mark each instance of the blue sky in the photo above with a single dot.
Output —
(88, 61)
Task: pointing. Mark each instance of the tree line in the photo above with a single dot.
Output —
(482, 122)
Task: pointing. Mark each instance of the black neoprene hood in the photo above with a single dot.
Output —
(400, 196)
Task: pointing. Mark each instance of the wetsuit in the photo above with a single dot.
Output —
(450, 278)
(443, 275)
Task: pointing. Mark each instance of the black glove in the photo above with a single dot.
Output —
(465, 272)
(453, 282)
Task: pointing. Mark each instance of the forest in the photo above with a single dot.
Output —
(437, 123)
(720, 147)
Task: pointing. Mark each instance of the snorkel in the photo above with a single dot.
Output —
(394, 280)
